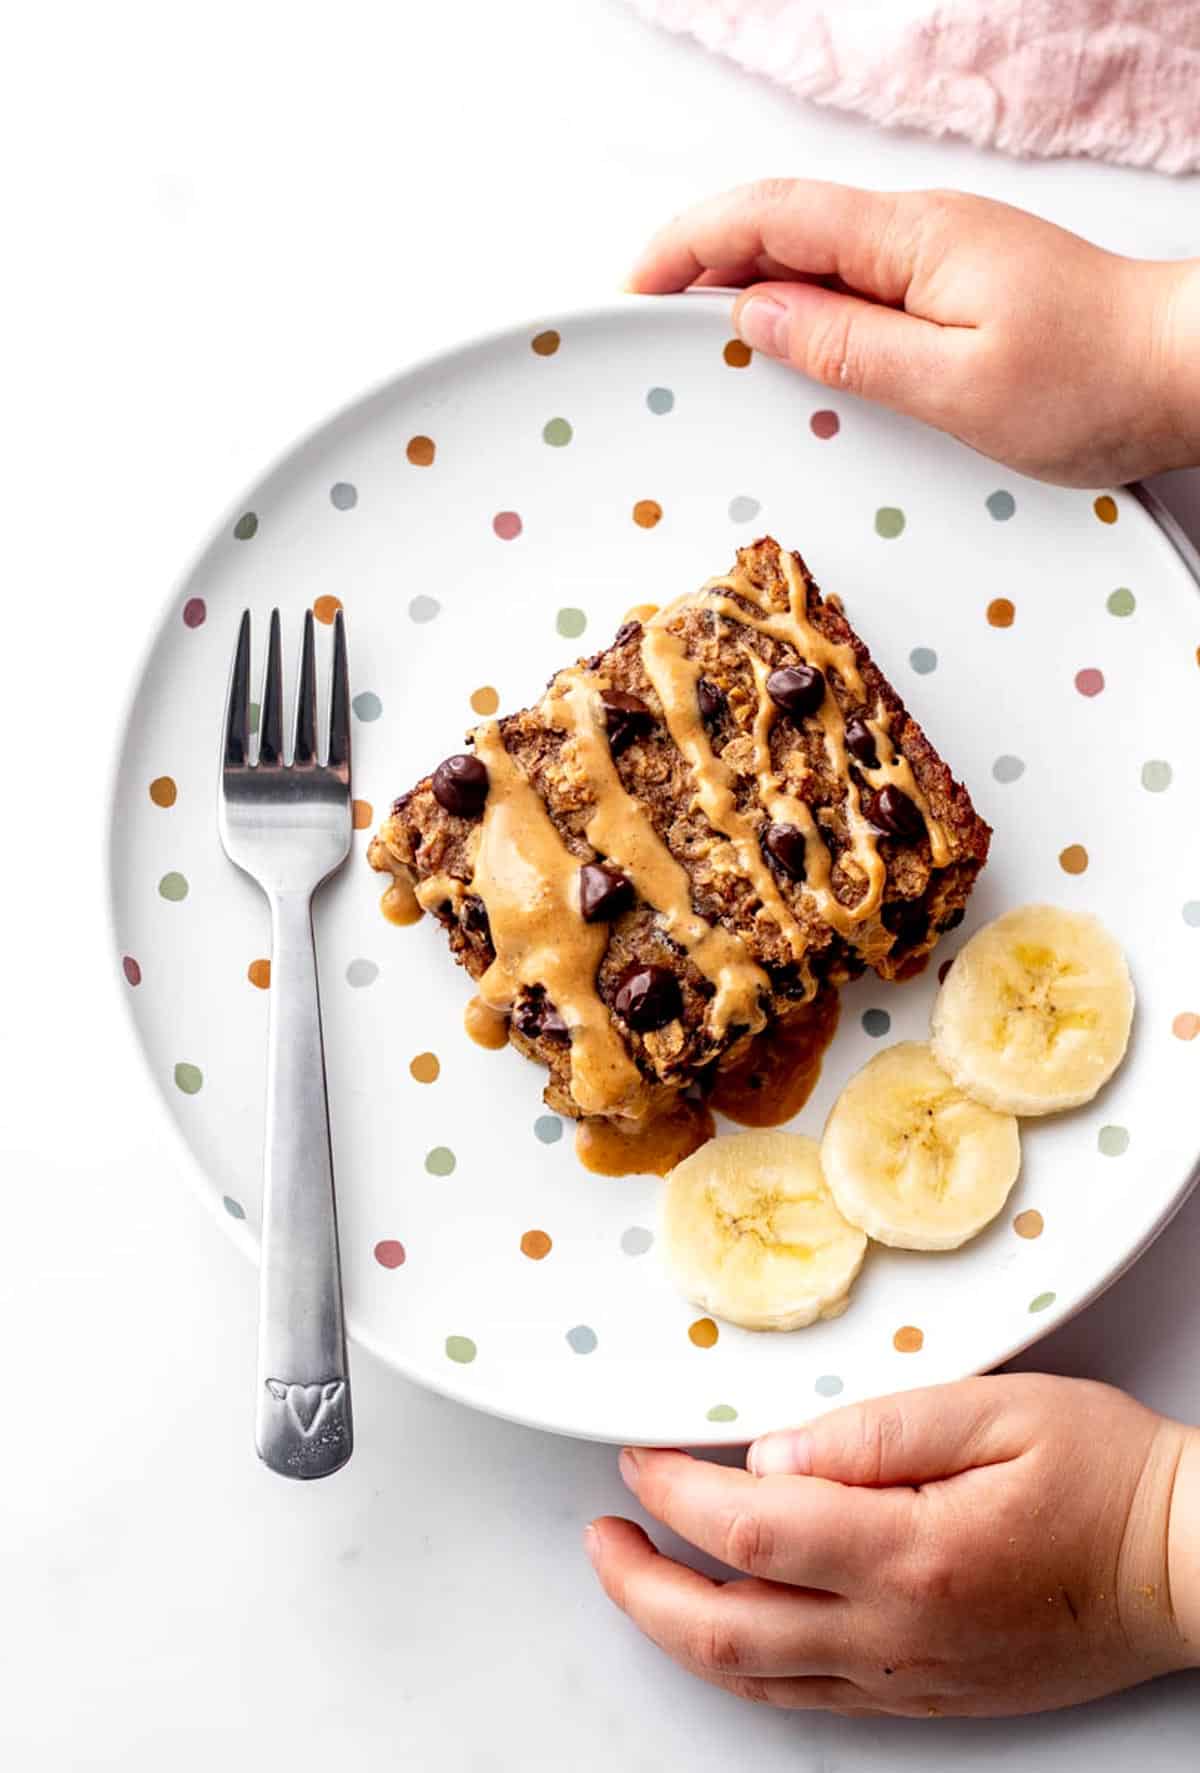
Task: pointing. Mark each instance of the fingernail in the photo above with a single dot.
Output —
(762, 323)
(591, 1543)
(782, 1453)
(627, 1464)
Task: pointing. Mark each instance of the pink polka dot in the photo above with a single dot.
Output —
(1089, 683)
(507, 525)
(194, 612)
(824, 425)
(389, 1253)
(131, 969)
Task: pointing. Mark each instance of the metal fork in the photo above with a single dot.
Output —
(288, 827)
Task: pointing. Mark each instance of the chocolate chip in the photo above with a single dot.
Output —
(536, 1018)
(604, 892)
(648, 997)
(711, 699)
(952, 922)
(908, 921)
(893, 813)
(627, 718)
(797, 689)
(860, 743)
(627, 631)
(785, 846)
(460, 786)
(474, 917)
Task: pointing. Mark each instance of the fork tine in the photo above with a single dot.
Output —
(305, 749)
(270, 731)
(237, 707)
(339, 701)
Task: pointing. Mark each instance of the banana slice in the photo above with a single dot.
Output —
(910, 1159)
(751, 1233)
(1035, 1013)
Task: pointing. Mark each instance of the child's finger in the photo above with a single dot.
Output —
(817, 1534)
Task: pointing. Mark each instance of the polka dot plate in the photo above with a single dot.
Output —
(485, 518)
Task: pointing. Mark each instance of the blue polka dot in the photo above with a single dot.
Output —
(1008, 769)
(1191, 913)
(1001, 505)
(660, 400)
(923, 659)
(582, 1339)
(876, 1023)
(548, 1128)
(367, 705)
(828, 1385)
(234, 1208)
(636, 1240)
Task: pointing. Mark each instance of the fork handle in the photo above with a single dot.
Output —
(303, 1424)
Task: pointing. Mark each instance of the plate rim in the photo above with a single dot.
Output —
(199, 1182)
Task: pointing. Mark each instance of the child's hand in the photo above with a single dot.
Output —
(1028, 343)
(1003, 1545)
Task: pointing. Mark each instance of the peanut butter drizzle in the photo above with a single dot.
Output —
(641, 612)
(645, 1148)
(399, 903)
(529, 883)
(487, 1027)
(771, 1081)
(621, 830)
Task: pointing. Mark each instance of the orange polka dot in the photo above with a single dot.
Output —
(1198, 655)
(1029, 1223)
(363, 813)
(426, 1067)
(1186, 1026)
(737, 355)
(646, 513)
(908, 1339)
(1000, 613)
(545, 344)
(535, 1245)
(485, 700)
(703, 1333)
(1074, 859)
(259, 973)
(325, 608)
(421, 451)
(163, 791)
(1105, 508)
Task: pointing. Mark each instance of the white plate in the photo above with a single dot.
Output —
(637, 402)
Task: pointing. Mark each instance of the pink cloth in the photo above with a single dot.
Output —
(1114, 79)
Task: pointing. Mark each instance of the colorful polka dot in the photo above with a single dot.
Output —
(743, 509)
(1001, 613)
(1105, 508)
(557, 433)
(1074, 859)
(660, 400)
(234, 1208)
(1042, 1302)
(1191, 913)
(923, 660)
(646, 513)
(944, 969)
(1156, 775)
(1029, 1224)
(246, 526)
(828, 1385)
(259, 974)
(254, 711)
(367, 705)
(582, 1338)
(876, 1023)
(548, 1128)
(636, 1240)
(173, 886)
(194, 612)
(423, 608)
(426, 1068)
(545, 344)
(421, 451)
(1008, 769)
(507, 525)
(390, 1253)
(440, 1161)
(908, 1339)
(163, 791)
(361, 814)
(736, 354)
(536, 1245)
(721, 1413)
(326, 607)
(1113, 1141)
(461, 1349)
(188, 1078)
(1000, 505)
(1089, 682)
(1186, 1025)
(485, 700)
(889, 522)
(1120, 602)
(361, 972)
(131, 970)
(343, 496)
(824, 424)
(703, 1333)
(570, 623)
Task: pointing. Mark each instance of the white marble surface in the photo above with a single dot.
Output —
(226, 219)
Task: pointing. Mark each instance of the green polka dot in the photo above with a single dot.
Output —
(1121, 602)
(1113, 1141)
(246, 526)
(1156, 775)
(440, 1161)
(721, 1413)
(255, 711)
(889, 521)
(570, 623)
(188, 1078)
(1042, 1301)
(461, 1349)
(173, 886)
(556, 432)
